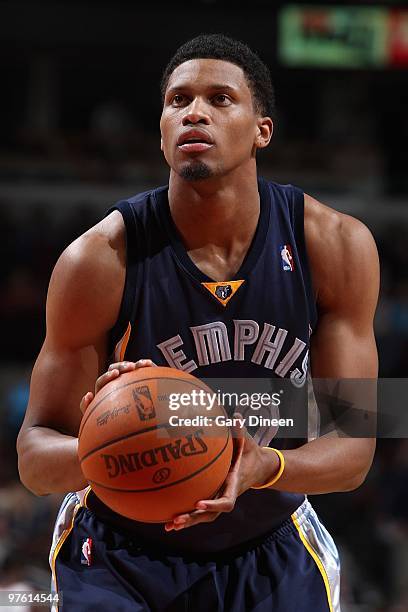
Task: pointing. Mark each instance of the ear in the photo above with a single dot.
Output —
(264, 131)
(161, 144)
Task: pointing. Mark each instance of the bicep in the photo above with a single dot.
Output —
(344, 361)
(342, 349)
(60, 378)
(347, 286)
(82, 305)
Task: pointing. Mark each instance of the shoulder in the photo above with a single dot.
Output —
(96, 253)
(326, 227)
(87, 282)
(342, 253)
(142, 197)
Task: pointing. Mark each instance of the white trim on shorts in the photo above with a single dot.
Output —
(322, 548)
(62, 528)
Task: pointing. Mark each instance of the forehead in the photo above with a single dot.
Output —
(208, 72)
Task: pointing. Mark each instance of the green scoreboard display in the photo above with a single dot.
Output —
(343, 37)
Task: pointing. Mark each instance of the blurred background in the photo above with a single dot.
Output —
(79, 125)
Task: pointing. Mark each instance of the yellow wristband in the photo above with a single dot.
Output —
(280, 471)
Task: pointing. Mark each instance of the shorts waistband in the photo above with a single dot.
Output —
(301, 514)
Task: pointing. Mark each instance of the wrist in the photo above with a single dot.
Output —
(272, 465)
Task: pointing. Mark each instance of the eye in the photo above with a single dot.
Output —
(178, 100)
(222, 100)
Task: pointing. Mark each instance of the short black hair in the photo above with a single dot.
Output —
(219, 46)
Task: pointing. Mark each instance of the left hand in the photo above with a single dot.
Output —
(247, 469)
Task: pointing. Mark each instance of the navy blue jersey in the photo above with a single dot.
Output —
(254, 325)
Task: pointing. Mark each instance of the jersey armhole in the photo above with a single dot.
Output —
(298, 213)
(120, 328)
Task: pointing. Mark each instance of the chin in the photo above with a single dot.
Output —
(196, 171)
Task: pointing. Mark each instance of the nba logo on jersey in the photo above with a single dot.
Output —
(86, 552)
(287, 258)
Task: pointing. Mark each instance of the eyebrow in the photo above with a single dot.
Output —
(213, 86)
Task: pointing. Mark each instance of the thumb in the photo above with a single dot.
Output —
(238, 433)
(85, 401)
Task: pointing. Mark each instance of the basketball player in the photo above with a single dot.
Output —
(192, 276)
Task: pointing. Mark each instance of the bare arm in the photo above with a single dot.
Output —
(82, 305)
(345, 270)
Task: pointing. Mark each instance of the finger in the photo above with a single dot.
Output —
(194, 519)
(224, 502)
(145, 363)
(85, 401)
(105, 378)
(237, 431)
(194, 516)
(181, 519)
(122, 366)
(238, 450)
(225, 499)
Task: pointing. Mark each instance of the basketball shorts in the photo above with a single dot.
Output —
(292, 569)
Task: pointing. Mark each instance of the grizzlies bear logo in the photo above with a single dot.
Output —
(223, 291)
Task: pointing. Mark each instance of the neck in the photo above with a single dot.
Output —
(219, 211)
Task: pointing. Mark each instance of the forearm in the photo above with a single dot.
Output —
(326, 465)
(48, 461)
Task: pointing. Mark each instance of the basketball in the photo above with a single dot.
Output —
(137, 462)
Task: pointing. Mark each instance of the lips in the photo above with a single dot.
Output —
(194, 141)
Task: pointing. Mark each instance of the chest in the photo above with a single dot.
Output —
(254, 326)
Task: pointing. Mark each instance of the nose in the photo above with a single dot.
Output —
(196, 112)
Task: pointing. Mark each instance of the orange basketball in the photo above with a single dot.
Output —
(146, 461)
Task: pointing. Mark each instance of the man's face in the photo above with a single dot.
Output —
(209, 125)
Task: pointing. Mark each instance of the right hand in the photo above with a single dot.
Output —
(114, 370)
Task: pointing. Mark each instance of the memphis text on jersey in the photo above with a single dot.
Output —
(263, 348)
